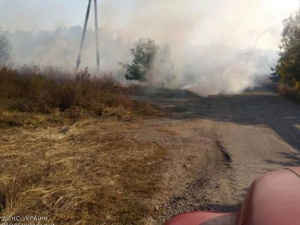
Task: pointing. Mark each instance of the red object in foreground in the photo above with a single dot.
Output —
(273, 199)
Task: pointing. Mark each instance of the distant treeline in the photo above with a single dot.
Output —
(60, 47)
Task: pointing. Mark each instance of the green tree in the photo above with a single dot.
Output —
(287, 69)
(143, 53)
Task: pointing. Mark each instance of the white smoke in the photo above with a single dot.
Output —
(216, 69)
(215, 46)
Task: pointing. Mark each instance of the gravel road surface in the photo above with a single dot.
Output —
(257, 131)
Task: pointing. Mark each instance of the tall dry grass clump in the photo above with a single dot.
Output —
(291, 92)
(49, 92)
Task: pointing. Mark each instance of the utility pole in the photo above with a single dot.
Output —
(78, 61)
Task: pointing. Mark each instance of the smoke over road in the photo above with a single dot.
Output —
(218, 46)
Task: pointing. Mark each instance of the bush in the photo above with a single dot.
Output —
(143, 53)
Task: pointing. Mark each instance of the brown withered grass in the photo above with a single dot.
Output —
(288, 91)
(65, 154)
(29, 96)
(91, 172)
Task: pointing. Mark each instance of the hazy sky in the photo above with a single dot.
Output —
(246, 23)
(34, 15)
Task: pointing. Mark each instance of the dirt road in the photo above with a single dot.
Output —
(256, 132)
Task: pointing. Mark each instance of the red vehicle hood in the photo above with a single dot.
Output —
(204, 218)
(273, 199)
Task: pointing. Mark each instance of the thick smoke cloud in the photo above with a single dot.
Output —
(218, 69)
(218, 46)
(59, 48)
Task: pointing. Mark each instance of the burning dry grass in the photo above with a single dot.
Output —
(89, 173)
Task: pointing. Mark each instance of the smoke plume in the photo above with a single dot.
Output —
(218, 46)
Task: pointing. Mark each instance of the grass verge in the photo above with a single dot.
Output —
(76, 164)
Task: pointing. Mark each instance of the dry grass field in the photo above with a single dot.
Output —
(65, 154)
(90, 172)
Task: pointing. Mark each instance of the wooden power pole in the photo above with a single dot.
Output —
(78, 61)
(97, 36)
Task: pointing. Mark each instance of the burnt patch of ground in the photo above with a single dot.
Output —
(226, 155)
(211, 188)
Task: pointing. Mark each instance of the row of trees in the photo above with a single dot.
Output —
(287, 69)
